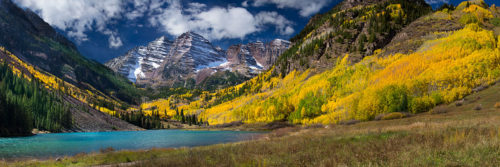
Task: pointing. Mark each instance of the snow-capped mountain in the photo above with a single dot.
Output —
(190, 54)
(141, 60)
(191, 58)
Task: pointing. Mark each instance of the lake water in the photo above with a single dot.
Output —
(60, 144)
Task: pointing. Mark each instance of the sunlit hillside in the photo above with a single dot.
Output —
(91, 97)
(445, 68)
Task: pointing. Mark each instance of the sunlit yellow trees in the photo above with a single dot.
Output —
(440, 71)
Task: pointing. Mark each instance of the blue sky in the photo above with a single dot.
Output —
(104, 29)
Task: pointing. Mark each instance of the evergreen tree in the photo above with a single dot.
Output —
(32, 105)
(183, 117)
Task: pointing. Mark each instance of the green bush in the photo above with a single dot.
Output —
(394, 115)
(439, 109)
(495, 21)
(393, 98)
(468, 19)
(309, 107)
(421, 104)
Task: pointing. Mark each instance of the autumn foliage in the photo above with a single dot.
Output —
(443, 70)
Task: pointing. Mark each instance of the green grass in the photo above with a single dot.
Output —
(460, 137)
(495, 21)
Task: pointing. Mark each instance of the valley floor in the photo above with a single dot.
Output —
(465, 135)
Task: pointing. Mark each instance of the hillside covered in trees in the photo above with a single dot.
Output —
(26, 105)
(33, 98)
(28, 36)
(421, 66)
(359, 61)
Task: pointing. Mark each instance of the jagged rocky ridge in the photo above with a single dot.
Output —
(192, 59)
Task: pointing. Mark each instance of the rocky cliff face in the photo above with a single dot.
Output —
(142, 60)
(190, 54)
(348, 29)
(191, 59)
(254, 58)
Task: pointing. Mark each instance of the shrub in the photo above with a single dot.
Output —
(349, 122)
(475, 99)
(497, 105)
(447, 7)
(394, 115)
(437, 98)
(380, 116)
(495, 21)
(478, 107)
(107, 150)
(439, 109)
(393, 98)
(309, 107)
(421, 104)
(468, 19)
(459, 103)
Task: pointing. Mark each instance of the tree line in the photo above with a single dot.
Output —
(27, 104)
(140, 119)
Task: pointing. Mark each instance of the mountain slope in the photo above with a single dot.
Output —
(26, 35)
(141, 60)
(192, 61)
(57, 88)
(255, 57)
(190, 54)
(412, 82)
(32, 98)
(357, 28)
(412, 74)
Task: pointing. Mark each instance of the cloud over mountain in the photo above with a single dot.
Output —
(305, 7)
(216, 22)
(78, 17)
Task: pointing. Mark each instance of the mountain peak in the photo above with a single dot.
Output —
(280, 42)
(162, 38)
(191, 34)
(191, 56)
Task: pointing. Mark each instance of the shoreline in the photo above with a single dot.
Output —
(255, 127)
(112, 150)
(412, 135)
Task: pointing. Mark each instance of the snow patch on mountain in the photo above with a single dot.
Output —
(190, 56)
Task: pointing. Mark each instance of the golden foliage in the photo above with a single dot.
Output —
(479, 12)
(54, 83)
(445, 71)
(441, 71)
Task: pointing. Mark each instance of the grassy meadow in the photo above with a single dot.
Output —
(465, 133)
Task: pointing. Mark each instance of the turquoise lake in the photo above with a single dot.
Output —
(61, 144)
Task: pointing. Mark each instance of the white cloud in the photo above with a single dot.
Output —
(305, 7)
(114, 40)
(77, 17)
(432, 2)
(283, 26)
(195, 7)
(138, 10)
(217, 22)
(244, 4)
(171, 19)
